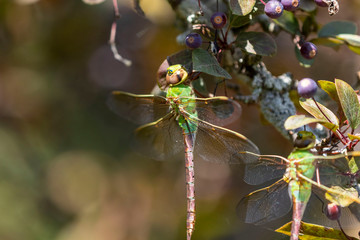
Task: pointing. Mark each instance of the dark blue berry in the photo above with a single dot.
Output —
(218, 20)
(333, 211)
(290, 5)
(321, 3)
(307, 88)
(273, 9)
(308, 50)
(193, 40)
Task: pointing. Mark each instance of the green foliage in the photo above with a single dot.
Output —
(204, 62)
(258, 43)
(242, 7)
(312, 231)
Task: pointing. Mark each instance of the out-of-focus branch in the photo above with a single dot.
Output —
(113, 47)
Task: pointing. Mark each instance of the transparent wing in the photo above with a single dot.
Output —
(162, 139)
(140, 109)
(264, 169)
(219, 111)
(265, 204)
(220, 145)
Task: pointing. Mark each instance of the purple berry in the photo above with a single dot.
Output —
(290, 5)
(218, 20)
(273, 9)
(307, 88)
(193, 40)
(333, 211)
(308, 50)
(321, 3)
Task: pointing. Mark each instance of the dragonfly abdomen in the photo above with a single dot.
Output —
(190, 184)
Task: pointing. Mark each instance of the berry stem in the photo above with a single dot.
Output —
(342, 230)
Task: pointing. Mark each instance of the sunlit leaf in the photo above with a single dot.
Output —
(313, 231)
(258, 43)
(335, 28)
(353, 165)
(288, 22)
(303, 61)
(349, 102)
(311, 107)
(351, 39)
(354, 49)
(354, 137)
(340, 196)
(297, 121)
(204, 62)
(330, 89)
(328, 42)
(242, 7)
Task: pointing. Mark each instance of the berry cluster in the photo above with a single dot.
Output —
(218, 20)
(274, 8)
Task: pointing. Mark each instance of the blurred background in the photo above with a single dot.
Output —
(67, 167)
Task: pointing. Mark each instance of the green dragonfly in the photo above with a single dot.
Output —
(293, 189)
(184, 123)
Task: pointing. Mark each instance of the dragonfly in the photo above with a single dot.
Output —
(180, 122)
(292, 190)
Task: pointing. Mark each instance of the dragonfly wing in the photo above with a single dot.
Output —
(265, 204)
(220, 145)
(140, 109)
(162, 139)
(219, 111)
(355, 210)
(265, 169)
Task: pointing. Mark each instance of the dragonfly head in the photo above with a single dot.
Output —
(304, 140)
(175, 75)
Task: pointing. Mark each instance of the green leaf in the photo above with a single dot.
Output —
(352, 163)
(330, 89)
(238, 21)
(337, 27)
(204, 62)
(352, 39)
(328, 42)
(303, 61)
(258, 43)
(310, 106)
(297, 121)
(307, 5)
(309, 25)
(349, 102)
(311, 231)
(242, 7)
(183, 57)
(288, 22)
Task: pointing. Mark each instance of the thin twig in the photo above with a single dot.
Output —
(113, 47)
